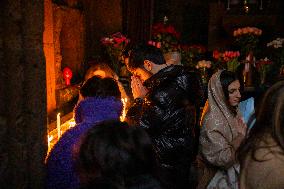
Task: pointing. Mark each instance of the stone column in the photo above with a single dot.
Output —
(23, 118)
(48, 45)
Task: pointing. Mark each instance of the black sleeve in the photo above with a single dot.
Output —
(191, 83)
(145, 114)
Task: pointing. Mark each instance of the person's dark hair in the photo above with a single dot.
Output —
(269, 121)
(142, 52)
(226, 78)
(116, 152)
(100, 87)
(127, 50)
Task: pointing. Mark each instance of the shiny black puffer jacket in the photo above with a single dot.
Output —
(169, 113)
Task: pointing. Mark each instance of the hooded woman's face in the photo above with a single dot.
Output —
(234, 93)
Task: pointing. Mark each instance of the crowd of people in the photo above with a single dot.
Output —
(173, 137)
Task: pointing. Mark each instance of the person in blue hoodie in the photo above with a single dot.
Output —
(101, 101)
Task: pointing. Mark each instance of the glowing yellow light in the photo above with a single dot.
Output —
(58, 125)
(51, 140)
(246, 9)
(71, 123)
(124, 102)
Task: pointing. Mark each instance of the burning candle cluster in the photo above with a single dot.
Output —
(54, 135)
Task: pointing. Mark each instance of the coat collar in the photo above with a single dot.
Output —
(165, 74)
(93, 109)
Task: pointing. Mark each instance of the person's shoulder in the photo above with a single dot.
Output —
(63, 145)
(191, 71)
(71, 135)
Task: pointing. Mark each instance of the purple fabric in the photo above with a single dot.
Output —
(60, 163)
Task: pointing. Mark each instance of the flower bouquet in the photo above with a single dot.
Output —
(202, 66)
(276, 55)
(166, 36)
(227, 60)
(263, 66)
(278, 50)
(191, 53)
(247, 39)
(277, 43)
(114, 45)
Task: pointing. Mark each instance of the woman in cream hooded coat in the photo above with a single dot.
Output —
(222, 130)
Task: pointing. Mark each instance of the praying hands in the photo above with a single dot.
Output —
(138, 90)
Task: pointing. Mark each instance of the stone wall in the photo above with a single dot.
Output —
(23, 95)
(64, 46)
(69, 42)
(102, 18)
(49, 52)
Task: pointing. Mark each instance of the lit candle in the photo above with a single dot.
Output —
(72, 123)
(49, 139)
(58, 125)
(124, 102)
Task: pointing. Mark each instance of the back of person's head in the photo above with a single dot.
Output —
(269, 120)
(142, 52)
(116, 152)
(100, 87)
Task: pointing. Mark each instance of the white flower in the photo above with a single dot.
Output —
(203, 64)
(277, 43)
(265, 59)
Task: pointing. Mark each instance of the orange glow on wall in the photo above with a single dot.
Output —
(48, 47)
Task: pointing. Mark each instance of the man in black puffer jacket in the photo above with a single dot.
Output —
(167, 103)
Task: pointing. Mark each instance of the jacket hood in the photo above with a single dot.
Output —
(94, 109)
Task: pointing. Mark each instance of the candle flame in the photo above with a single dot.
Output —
(62, 128)
(58, 125)
(123, 115)
(71, 123)
(51, 140)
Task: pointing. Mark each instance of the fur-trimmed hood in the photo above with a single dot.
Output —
(93, 109)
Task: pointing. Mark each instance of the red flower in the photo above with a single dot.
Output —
(114, 46)
(159, 45)
(225, 56)
(166, 35)
(170, 29)
(216, 54)
(119, 38)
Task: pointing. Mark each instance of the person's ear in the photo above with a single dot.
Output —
(148, 65)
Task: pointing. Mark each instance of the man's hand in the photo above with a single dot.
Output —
(138, 90)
